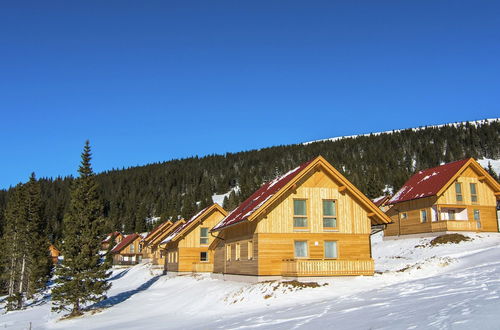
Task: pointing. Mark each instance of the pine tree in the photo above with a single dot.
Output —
(492, 172)
(82, 276)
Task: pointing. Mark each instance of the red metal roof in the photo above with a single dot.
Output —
(427, 182)
(125, 242)
(258, 198)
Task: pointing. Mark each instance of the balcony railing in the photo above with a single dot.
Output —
(323, 267)
(203, 267)
(127, 262)
(454, 225)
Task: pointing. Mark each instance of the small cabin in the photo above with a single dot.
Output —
(454, 197)
(187, 247)
(308, 222)
(111, 240)
(128, 251)
(151, 243)
(54, 254)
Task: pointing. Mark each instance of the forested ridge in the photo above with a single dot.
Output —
(181, 187)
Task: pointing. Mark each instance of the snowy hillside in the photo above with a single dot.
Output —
(417, 286)
(477, 122)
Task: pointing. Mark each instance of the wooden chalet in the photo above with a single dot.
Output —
(128, 251)
(458, 196)
(382, 202)
(54, 254)
(186, 248)
(309, 222)
(116, 237)
(151, 243)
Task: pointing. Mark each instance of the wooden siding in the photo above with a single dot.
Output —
(273, 249)
(352, 218)
(485, 194)
(324, 267)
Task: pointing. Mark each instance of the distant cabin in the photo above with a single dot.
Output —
(128, 251)
(115, 237)
(382, 202)
(54, 254)
(152, 251)
(310, 221)
(187, 248)
(458, 196)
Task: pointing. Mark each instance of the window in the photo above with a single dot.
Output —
(237, 257)
(203, 256)
(300, 249)
(458, 191)
(228, 252)
(250, 250)
(204, 236)
(162, 253)
(175, 256)
(299, 213)
(329, 214)
(451, 215)
(169, 257)
(331, 249)
(423, 216)
(140, 248)
(403, 216)
(132, 248)
(477, 215)
(473, 193)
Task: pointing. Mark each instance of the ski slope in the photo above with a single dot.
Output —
(417, 286)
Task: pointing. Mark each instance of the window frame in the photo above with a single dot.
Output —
(204, 237)
(300, 215)
(401, 217)
(237, 255)
(459, 193)
(335, 217)
(473, 196)
(295, 251)
(336, 250)
(422, 212)
(206, 255)
(250, 250)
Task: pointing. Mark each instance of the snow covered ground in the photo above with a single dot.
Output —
(417, 286)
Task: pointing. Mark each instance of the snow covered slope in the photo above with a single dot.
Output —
(417, 286)
(476, 122)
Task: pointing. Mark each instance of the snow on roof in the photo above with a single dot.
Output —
(155, 230)
(258, 198)
(427, 182)
(378, 201)
(125, 242)
(115, 234)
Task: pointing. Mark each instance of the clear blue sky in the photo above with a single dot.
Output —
(149, 81)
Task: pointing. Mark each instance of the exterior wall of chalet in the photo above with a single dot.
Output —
(190, 251)
(468, 204)
(129, 255)
(150, 244)
(279, 248)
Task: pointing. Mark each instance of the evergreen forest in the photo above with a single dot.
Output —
(131, 197)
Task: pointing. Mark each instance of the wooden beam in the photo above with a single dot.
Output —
(482, 178)
(342, 188)
(371, 214)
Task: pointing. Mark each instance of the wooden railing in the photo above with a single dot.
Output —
(323, 267)
(203, 267)
(454, 225)
(127, 262)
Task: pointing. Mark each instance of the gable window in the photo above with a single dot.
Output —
(132, 248)
(203, 256)
(237, 251)
(473, 192)
(300, 249)
(423, 216)
(403, 215)
(299, 213)
(250, 250)
(458, 191)
(140, 248)
(228, 252)
(331, 249)
(329, 214)
(203, 236)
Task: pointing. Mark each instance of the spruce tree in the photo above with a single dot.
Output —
(82, 276)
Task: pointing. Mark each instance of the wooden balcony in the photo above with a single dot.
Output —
(325, 267)
(203, 267)
(454, 225)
